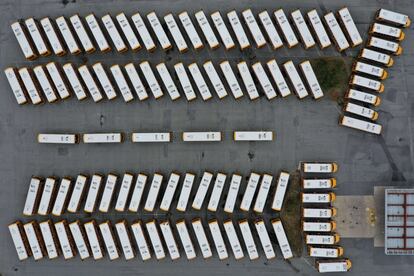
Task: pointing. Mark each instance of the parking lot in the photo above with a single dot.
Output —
(305, 130)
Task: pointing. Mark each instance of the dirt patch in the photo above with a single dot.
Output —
(291, 214)
(333, 75)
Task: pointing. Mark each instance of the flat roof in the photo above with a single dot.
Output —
(399, 221)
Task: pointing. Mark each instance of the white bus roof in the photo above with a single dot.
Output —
(137, 192)
(16, 85)
(375, 56)
(23, 41)
(265, 239)
(319, 29)
(206, 29)
(278, 78)
(45, 84)
(211, 136)
(93, 239)
(143, 32)
(186, 241)
(264, 189)
(286, 28)
(336, 32)
(393, 17)
(153, 192)
(16, 233)
(67, 35)
(159, 31)
(122, 83)
(295, 79)
(79, 239)
(362, 96)
(303, 29)
(64, 240)
(169, 192)
(168, 81)
(216, 193)
(97, 33)
(369, 69)
(185, 192)
(77, 193)
(190, 30)
(350, 27)
(250, 191)
(248, 239)
(57, 138)
(155, 240)
(361, 125)
(37, 37)
(316, 198)
(125, 240)
(108, 238)
(82, 34)
(332, 266)
(30, 86)
(233, 239)
(141, 241)
(151, 79)
(232, 193)
(282, 239)
(175, 33)
(202, 238)
(222, 30)
(128, 32)
(33, 196)
(360, 110)
(108, 192)
(48, 239)
(280, 192)
(238, 29)
(56, 76)
(317, 213)
(90, 83)
(270, 29)
(317, 226)
(32, 237)
(254, 28)
(202, 190)
(320, 239)
(103, 79)
(264, 80)
(114, 33)
(123, 194)
(74, 82)
(253, 135)
(231, 79)
(318, 183)
(218, 240)
(184, 81)
(49, 189)
(215, 79)
(62, 196)
(136, 82)
(248, 81)
(383, 44)
(311, 79)
(170, 240)
(199, 81)
(94, 189)
(102, 138)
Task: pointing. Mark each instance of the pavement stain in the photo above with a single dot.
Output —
(101, 120)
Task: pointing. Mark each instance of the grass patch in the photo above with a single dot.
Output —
(333, 75)
(291, 215)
